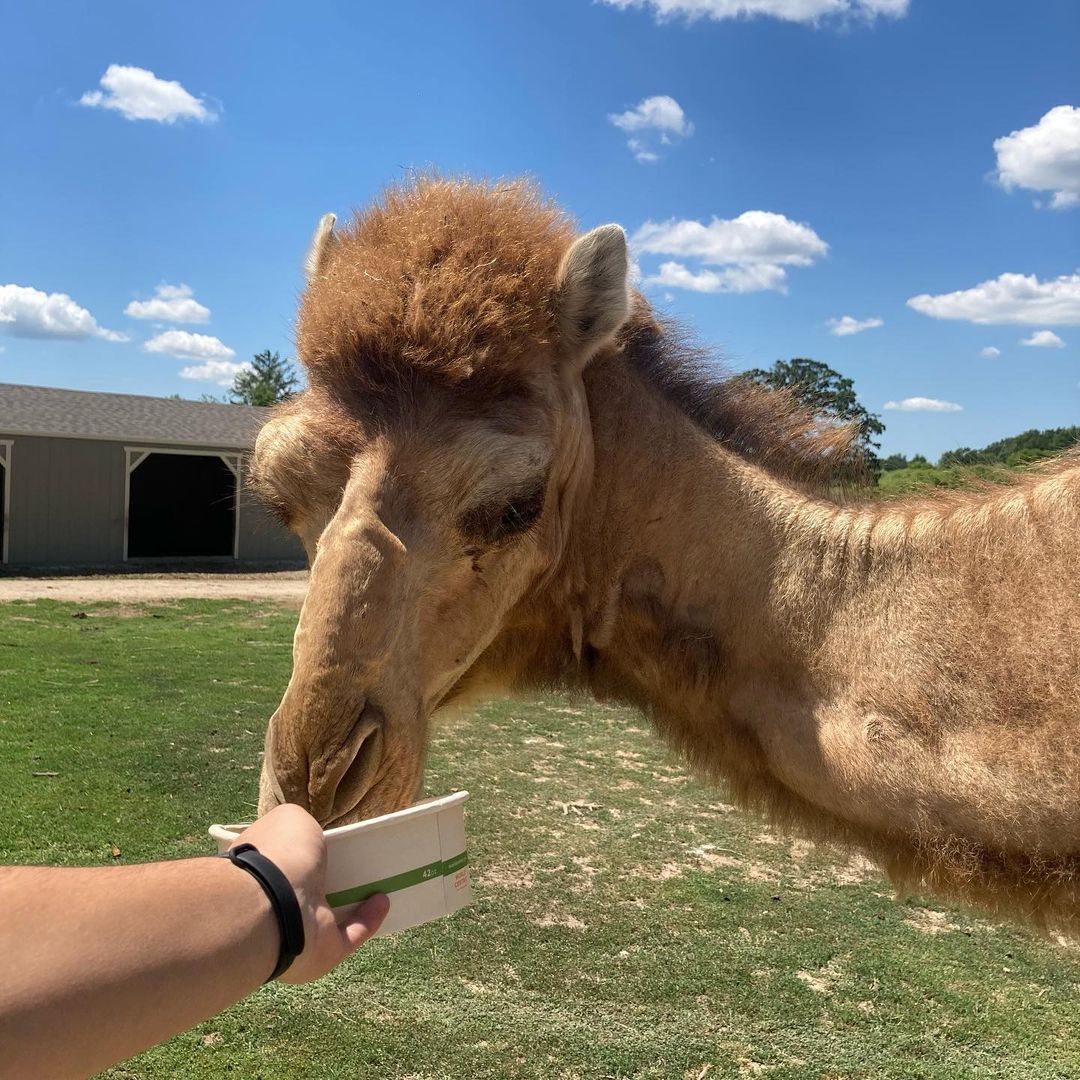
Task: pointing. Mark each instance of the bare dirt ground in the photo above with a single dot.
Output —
(286, 587)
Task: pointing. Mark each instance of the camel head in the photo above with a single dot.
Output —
(433, 469)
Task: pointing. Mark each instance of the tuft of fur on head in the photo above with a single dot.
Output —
(447, 279)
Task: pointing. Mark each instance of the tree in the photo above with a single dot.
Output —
(962, 455)
(829, 394)
(1027, 447)
(268, 380)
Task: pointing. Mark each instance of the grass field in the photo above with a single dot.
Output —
(628, 922)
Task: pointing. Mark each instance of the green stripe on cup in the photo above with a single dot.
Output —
(405, 880)
(452, 866)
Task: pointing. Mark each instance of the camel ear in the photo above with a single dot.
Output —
(322, 243)
(593, 290)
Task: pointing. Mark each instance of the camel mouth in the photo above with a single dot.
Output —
(447, 697)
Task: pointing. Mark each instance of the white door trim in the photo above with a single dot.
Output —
(5, 459)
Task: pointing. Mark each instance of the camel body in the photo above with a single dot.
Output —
(510, 477)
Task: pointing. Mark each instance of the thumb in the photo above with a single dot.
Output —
(358, 923)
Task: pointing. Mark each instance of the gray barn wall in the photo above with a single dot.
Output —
(67, 501)
(67, 506)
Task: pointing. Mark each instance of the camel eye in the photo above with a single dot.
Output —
(493, 522)
(520, 514)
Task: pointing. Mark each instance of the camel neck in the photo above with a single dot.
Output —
(854, 670)
(701, 596)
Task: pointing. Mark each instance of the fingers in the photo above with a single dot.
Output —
(358, 923)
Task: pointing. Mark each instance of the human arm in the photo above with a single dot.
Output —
(100, 963)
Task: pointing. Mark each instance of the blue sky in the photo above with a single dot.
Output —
(800, 162)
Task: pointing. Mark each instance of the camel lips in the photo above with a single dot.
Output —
(417, 856)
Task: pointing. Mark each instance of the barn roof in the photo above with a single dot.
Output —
(80, 414)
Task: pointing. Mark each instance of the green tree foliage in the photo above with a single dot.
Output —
(268, 381)
(829, 394)
(959, 468)
(1022, 449)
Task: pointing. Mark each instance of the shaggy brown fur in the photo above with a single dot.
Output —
(448, 280)
(901, 678)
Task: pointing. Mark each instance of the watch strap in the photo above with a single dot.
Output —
(282, 897)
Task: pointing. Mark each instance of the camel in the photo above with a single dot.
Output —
(510, 476)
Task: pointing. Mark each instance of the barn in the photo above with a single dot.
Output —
(94, 480)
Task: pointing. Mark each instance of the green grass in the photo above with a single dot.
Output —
(628, 923)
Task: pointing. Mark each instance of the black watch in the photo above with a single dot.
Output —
(282, 899)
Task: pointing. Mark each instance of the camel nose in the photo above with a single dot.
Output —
(326, 743)
(330, 780)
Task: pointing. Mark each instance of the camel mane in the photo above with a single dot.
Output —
(766, 426)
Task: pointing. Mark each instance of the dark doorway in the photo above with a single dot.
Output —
(181, 505)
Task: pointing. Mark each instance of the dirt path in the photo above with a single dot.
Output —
(287, 587)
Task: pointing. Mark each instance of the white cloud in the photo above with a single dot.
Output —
(1044, 339)
(923, 404)
(222, 372)
(171, 303)
(756, 236)
(653, 121)
(733, 279)
(753, 250)
(801, 11)
(1011, 298)
(187, 346)
(991, 352)
(660, 113)
(846, 325)
(1045, 157)
(31, 313)
(138, 94)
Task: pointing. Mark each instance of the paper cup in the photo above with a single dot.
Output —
(417, 857)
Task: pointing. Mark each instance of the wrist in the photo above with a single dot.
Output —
(247, 910)
(283, 901)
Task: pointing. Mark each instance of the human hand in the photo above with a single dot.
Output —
(292, 839)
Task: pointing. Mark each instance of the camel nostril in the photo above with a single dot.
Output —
(339, 779)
